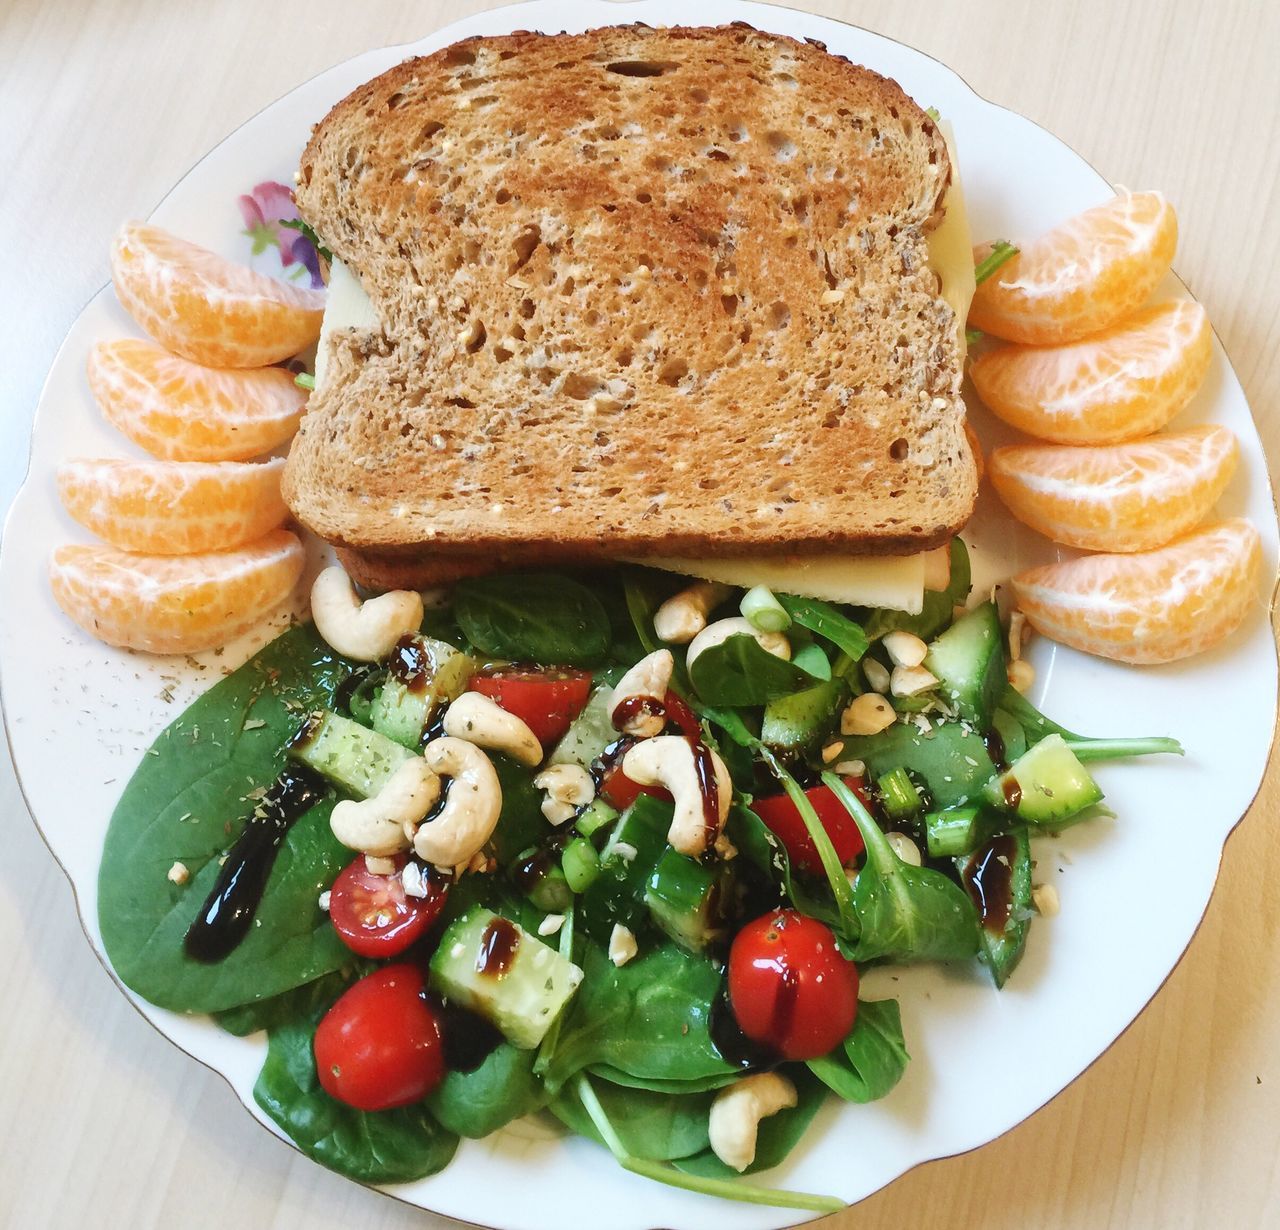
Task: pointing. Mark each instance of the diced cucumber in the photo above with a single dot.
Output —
(1047, 785)
(683, 898)
(898, 795)
(353, 757)
(493, 966)
(589, 733)
(596, 815)
(626, 862)
(540, 878)
(968, 658)
(952, 833)
(998, 879)
(797, 722)
(424, 673)
(950, 759)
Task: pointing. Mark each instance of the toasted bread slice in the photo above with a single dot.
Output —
(640, 291)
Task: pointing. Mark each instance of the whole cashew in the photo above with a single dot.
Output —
(737, 1111)
(772, 642)
(366, 631)
(668, 761)
(379, 825)
(645, 682)
(684, 615)
(568, 787)
(479, 719)
(471, 807)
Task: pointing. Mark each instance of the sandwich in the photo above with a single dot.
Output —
(688, 297)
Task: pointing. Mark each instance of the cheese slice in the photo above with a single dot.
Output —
(346, 307)
(951, 244)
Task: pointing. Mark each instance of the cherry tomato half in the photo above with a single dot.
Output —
(545, 700)
(783, 817)
(373, 914)
(379, 1046)
(789, 987)
(618, 790)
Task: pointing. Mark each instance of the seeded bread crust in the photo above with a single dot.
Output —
(641, 291)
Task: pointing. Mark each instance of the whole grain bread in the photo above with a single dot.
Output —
(640, 291)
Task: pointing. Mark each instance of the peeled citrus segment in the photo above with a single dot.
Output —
(1155, 606)
(182, 411)
(174, 507)
(1120, 497)
(174, 604)
(207, 308)
(1126, 382)
(1082, 277)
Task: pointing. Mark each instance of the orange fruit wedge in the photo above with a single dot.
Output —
(174, 507)
(207, 308)
(181, 411)
(1155, 606)
(1126, 382)
(1082, 277)
(1120, 497)
(174, 604)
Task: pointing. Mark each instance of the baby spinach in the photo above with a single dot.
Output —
(186, 803)
(654, 1084)
(827, 621)
(737, 672)
(288, 1005)
(501, 1089)
(935, 614)
(950, 758)
(904, 913)
(1036, 727)
(658, 1126)
(872, 1059)
(540, 617)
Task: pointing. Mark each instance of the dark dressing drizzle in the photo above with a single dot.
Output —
(733, 1045)
(988, 879)
(1012, 790)
(996, 749)
(632, 707)
(708, 787)
(409, 664)
(227, 913)
(467, 1037)
(498, 945)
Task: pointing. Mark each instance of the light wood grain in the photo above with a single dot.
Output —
(103, 105)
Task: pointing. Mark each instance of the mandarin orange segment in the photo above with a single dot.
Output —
(174, 507)
(1126, 382)
(1154, 606)
(181, 411)
(174, 604)
(1119, 497)
(207, 308)
(1082, 277)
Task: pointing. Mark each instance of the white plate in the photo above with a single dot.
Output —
(80, 715)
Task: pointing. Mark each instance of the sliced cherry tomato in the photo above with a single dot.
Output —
(684, 717)
(373, 914)
(379, 1046)
(545, 700)
(783, 817)
(789, 987)
(618, 790)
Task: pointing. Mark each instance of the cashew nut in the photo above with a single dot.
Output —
(737, 1111)
(568, 787)
(479, 719)
(635, 707)
(772, 642)
(668, 761)
(471, 807)
(366, 631)
(380, 825)
(684, 615)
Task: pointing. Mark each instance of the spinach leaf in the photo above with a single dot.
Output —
(288, 1005)
(904, 913)
(521, 823)
(826, 620)
(388, 1146)
(872, 1059)
(658, 1126)
(649, 1018)
(539, 617)
(1036, 726)
(935, 615)
(950, 759)
(654, 1084)
(737, 672)
(778, 1135)
(501, 1089)
(187, 802)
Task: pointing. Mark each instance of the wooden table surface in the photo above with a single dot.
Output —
(105, 103)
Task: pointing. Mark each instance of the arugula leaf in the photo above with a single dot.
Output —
(187, 802)
(737, 672)
(935, 615)
(539, 617)
(826, 620)
(501, 1089)
(658, 1126)
(904, 913)
(872, 1059)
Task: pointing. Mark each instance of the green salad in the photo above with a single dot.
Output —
(537, 859)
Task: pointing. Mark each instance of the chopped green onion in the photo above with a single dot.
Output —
(898, 794)
(949, 834)
(933, 114)
(763, 611)
(581, 864)
(595, 816)
(1001, 252)
(305, 380)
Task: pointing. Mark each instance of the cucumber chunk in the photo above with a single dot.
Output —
(1047, 785)
(952, 833)
(796, 722)
(617, 894)
(998, 879)
(683, 898)
(589, 733)
(353, 757)
(968, 659)
(493, 966)
(424, 673)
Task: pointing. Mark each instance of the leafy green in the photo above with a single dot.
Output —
(756, 842)
(187, 802)
(872, 1059)
(501, 1089)
(950, 759)
(659, 1126)
(656, 1084)
(828, 621)
(1036, 727)
(935, 614)
(1001, 252)
(738, 672)
(904, 913)
(305, 228)
(287, 1006)
(539, 617)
